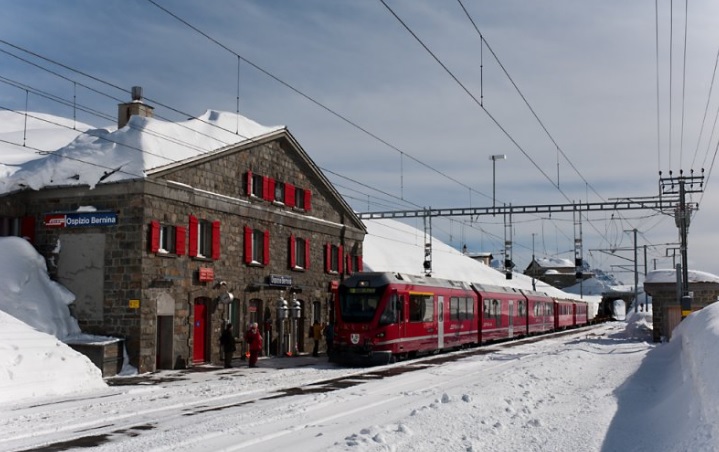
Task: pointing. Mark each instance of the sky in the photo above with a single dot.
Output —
(393, 128)
(606, 388)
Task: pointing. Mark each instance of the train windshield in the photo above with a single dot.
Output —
(359, 304)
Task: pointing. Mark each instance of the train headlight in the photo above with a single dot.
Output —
(379, 334)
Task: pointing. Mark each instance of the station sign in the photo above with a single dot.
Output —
(280, 280)
(80, 219)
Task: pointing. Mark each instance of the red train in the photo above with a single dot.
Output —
(382, 317)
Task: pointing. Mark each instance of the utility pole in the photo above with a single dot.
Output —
(682, 185)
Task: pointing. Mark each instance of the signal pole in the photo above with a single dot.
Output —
(682, 185)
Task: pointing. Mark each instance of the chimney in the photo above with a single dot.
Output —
(134, 107)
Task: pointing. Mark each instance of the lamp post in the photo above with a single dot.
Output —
(296, 311)
(281, 316)
(494, 159)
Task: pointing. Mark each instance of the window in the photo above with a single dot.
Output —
(258, 185)
(303, 199)
(167, 239)
(421, 307)
(279, 192)
(461, 308)
(333, 260)
(257, 246)
(204, 238)
(522, 308)
(299, 253)
(353, 263)
(393, 311)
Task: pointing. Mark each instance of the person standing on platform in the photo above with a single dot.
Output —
(227, 342)
(254, 343)
(317, 336)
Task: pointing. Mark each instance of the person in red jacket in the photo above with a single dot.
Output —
(253, 338)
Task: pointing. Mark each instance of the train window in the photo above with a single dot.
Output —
(421, 308)
(454, 309)
(392, 312)
(358, 307)
(465, 308)
(496, 310)
(521, 308)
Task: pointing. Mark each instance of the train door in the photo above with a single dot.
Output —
(510, 327)
(401, 311)
(440, 322)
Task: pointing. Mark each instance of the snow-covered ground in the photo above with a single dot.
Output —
(605, 388)
(602, 388)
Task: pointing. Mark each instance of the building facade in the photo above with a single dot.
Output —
(252, 232)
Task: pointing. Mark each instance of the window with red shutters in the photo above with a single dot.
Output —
(333, 258)
(257, 246)
(299, 253)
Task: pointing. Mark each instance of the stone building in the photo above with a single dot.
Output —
(556, 272)
(164, 252)
(666, 309)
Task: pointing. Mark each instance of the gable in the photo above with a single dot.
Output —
(272, 170)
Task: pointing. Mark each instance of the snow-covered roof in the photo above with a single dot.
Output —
(670, 276)
(553, 262)
(144, 144)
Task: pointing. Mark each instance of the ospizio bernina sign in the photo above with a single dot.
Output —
(80, 219)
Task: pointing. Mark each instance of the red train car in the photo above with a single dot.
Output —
(380, 317)
(503, 312)
(384, 316)
(540, 312)
(563, 314)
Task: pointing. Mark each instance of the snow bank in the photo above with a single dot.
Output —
(36, 364)
(27, 292)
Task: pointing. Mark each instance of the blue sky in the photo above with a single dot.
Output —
(588, 70)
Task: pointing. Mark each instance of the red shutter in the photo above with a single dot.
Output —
(290, 195)
(307, 254)
(359, 263)
(266, 250)
(215, 240)
(308, 200)
(348, 263)
(180, 233)
(328, 257)
(154, 236)
(266, 189)
(193, 236)
(248, 183)
(248, 245)
(340, 253)
(27, 228)
(270, 192)
(293, 257)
